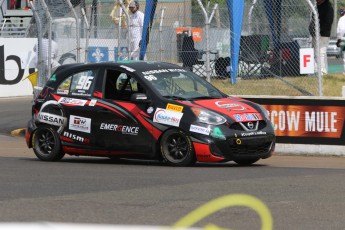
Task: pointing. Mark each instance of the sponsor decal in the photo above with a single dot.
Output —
(81, 124)
(127, 68)
(124, 129)
(142, 97)
(199, 129)
(53, 78)
(150, 78)
(84, 83)
(155, 71)
(149, 110)
(51, 119)
(246, 117)
(62, 91)
(177, 70)
(217, 133)
(76, 137)
(93, 102)
(176, 108)
(163, 71)
(72, 101)
(167, 117)
(230, 106)
(253, 134)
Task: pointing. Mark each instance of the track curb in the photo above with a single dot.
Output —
(18, 132)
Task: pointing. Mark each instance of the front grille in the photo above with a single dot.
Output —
(250, 149)
(238, 126)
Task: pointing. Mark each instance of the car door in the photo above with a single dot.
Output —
(120, 123)
(74, 95)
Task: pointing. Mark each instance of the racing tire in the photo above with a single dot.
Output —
(177, 148)
(246, 162)
(46, 144)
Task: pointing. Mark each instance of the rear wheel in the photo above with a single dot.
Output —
(46, 144)
(246, 161)
(177, 149)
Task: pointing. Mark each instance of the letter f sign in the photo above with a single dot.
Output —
(306, 61)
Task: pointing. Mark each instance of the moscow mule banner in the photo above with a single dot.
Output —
(306, 121)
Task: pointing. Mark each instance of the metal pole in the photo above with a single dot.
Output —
(317, 45)
(82, 7)
(161, 32)
(77, 28)
(207, 34)
(335, 18)
(119, 32)
(94, 15)
(40, 82)
(48, 68)
(87, 33)
(207, 26)
(250, 16)
(129, 25)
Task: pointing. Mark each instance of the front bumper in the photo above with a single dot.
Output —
(259, 147)
(248, 147)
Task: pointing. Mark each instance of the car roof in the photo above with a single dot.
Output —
(139, 66)
(132, 66)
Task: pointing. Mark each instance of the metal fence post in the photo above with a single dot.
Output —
(40, 83)
(77, 28)
(87, 34)
(129, 25)
(49, 31)
(317, 45)
(207, 33)
(160, 34)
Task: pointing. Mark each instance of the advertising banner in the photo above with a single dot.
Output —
(306, 121)
(15, 60)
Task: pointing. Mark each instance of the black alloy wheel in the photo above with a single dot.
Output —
(46, 144)
(177, 148)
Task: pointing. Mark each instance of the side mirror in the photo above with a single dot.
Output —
(139, 98)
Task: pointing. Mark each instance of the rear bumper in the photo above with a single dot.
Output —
(29, 131)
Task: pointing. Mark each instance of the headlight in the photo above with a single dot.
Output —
(208, 117)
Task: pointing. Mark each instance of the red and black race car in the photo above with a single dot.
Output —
(145, 110)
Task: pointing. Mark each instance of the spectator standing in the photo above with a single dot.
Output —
(326, 12)
(135, 29)
(45, 52)
(340, 34)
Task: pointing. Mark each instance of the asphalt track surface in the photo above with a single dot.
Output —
(302, 192)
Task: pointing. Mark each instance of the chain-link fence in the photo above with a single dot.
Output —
(193, 34)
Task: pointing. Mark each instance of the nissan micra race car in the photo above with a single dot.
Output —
(145, 110)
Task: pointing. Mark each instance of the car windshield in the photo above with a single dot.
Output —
(181, 85)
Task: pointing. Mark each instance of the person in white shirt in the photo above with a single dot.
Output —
(45, 52)
(341, 34)
(135, 29)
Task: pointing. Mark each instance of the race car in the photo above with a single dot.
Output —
(145, 110)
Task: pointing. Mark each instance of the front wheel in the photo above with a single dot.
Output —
(46, 144)
(177, 149)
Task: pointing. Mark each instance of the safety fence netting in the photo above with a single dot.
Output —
(197, 35)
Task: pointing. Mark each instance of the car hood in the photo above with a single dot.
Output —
(235, 109)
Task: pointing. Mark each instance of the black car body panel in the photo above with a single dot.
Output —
(124, 109)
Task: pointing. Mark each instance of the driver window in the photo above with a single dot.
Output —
(120, 86)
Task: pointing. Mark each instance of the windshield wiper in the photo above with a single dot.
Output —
(203, 97)
(175, 98)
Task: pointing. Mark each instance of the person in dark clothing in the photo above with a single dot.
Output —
(326, 13)
(189, 54)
